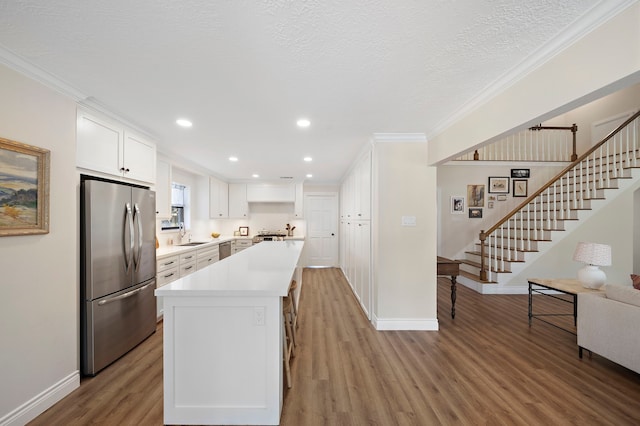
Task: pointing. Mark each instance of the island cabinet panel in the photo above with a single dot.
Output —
(223, 375)
(223, 338)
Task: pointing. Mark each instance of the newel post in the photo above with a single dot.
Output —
(574, 130)
(483, 268)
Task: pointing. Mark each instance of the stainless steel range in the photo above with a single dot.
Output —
(269, 236)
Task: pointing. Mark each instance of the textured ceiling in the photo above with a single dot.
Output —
(244, 71)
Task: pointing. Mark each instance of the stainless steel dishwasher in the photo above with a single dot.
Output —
(225, 250)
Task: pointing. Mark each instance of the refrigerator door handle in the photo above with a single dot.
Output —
(136, 219)
(124, 295)
(128, 249)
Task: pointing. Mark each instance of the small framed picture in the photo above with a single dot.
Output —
(498, 185)
(520, 187)
(475, 195)
(502, 198)
(475, 213)
(520, 173)
(490, 204)
(457, 204)
(244, 231)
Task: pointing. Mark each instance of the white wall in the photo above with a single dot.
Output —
(39, 307)
(404, 258)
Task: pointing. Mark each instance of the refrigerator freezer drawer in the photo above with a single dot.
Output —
(116, 324)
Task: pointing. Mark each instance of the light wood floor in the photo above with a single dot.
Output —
(485, 367)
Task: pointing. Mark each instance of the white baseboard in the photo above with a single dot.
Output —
(41, 402)
(421, 324)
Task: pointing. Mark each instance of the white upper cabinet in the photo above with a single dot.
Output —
(298, 207)
(107, 147)
(218, 199)
(238, 205)
(363, 188)
(139, 160)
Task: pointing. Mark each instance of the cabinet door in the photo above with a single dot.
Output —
(99, 145)
(139, 158)
(218, 199)
(298, 207)
(238, 205)
(364, 188)
(163, 190)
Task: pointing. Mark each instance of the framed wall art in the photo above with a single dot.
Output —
(457, 204)
(520, 173)
(475, 195)
(475, 213)
(244, 231)
(520, 187)
(498, 185)
(24, 189)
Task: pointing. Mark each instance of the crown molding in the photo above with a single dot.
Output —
(596, 16)
(398, 137)
(26, 68)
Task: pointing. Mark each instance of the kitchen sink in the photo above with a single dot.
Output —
(192, 244)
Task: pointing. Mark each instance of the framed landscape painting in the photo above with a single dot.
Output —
(24, 189)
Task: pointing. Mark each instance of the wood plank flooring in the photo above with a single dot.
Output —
(485, 367)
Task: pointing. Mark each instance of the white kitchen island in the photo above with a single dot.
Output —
(223, 338)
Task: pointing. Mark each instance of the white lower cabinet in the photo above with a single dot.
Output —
(207, 256)
(241, 245)
(188, 263)
(166, 271)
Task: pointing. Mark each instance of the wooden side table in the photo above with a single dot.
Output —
(548, 287)
(450, 268)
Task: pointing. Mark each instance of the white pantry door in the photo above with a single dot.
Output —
(321, 213)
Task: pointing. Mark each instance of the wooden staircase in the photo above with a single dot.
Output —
(533, 223)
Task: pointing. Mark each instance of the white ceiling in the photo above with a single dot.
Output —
(245, 70)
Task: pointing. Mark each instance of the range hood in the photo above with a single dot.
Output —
(271, 193)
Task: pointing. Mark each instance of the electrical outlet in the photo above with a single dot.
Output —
(258, 315)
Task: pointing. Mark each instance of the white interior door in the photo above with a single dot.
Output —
(321, 213)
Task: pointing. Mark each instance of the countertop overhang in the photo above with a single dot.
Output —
(264, 269)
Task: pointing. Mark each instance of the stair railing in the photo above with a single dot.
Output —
(538, 143)
(560, 198)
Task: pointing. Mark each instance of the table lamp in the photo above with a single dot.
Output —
(592, 255)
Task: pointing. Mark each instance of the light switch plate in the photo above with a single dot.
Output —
(408, 221)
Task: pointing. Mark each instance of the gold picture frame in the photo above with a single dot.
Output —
(24, 189)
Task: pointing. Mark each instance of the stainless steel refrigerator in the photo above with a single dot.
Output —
(118, 268)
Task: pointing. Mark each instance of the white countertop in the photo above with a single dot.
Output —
(264, 269)
(172, 250)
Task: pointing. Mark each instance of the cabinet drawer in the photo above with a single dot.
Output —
(166, 263)
(166, 276)
(206, 259)
(208, 256)
(187, 268)
(188, 257)
(243, 243)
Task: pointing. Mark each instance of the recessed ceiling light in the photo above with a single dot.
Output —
(308, 159)
(255, 175)
(183, 122)
(309, 175)
(303, 122)
(234, 159)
